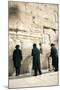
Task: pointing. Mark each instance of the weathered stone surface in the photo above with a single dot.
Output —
(34, 23)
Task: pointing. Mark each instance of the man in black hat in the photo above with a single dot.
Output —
(17, 57)
(36, 60)
(54, 56)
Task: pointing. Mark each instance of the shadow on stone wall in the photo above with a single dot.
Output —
(26, 65)
(10, 66)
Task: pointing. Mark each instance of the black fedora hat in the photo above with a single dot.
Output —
(17, 46)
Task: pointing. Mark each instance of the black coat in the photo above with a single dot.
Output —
(17, 57)
(36, 58)
(54, 56)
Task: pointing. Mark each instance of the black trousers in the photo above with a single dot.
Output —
(37, 69)
(55, 63)
(56, 66)
(17, 71)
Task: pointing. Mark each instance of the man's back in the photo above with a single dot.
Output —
(53, 51)
(17, 57)
(36, 60)
(36, 54)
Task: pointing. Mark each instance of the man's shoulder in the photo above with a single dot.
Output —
(14, 50)
(37, 49)
(20, 50)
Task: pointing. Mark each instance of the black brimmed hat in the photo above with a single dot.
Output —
(17, 46)
(52, 44)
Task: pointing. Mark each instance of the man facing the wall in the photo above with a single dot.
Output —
(36, 59)
(17, 57)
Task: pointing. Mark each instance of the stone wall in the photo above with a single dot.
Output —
(32, 23)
